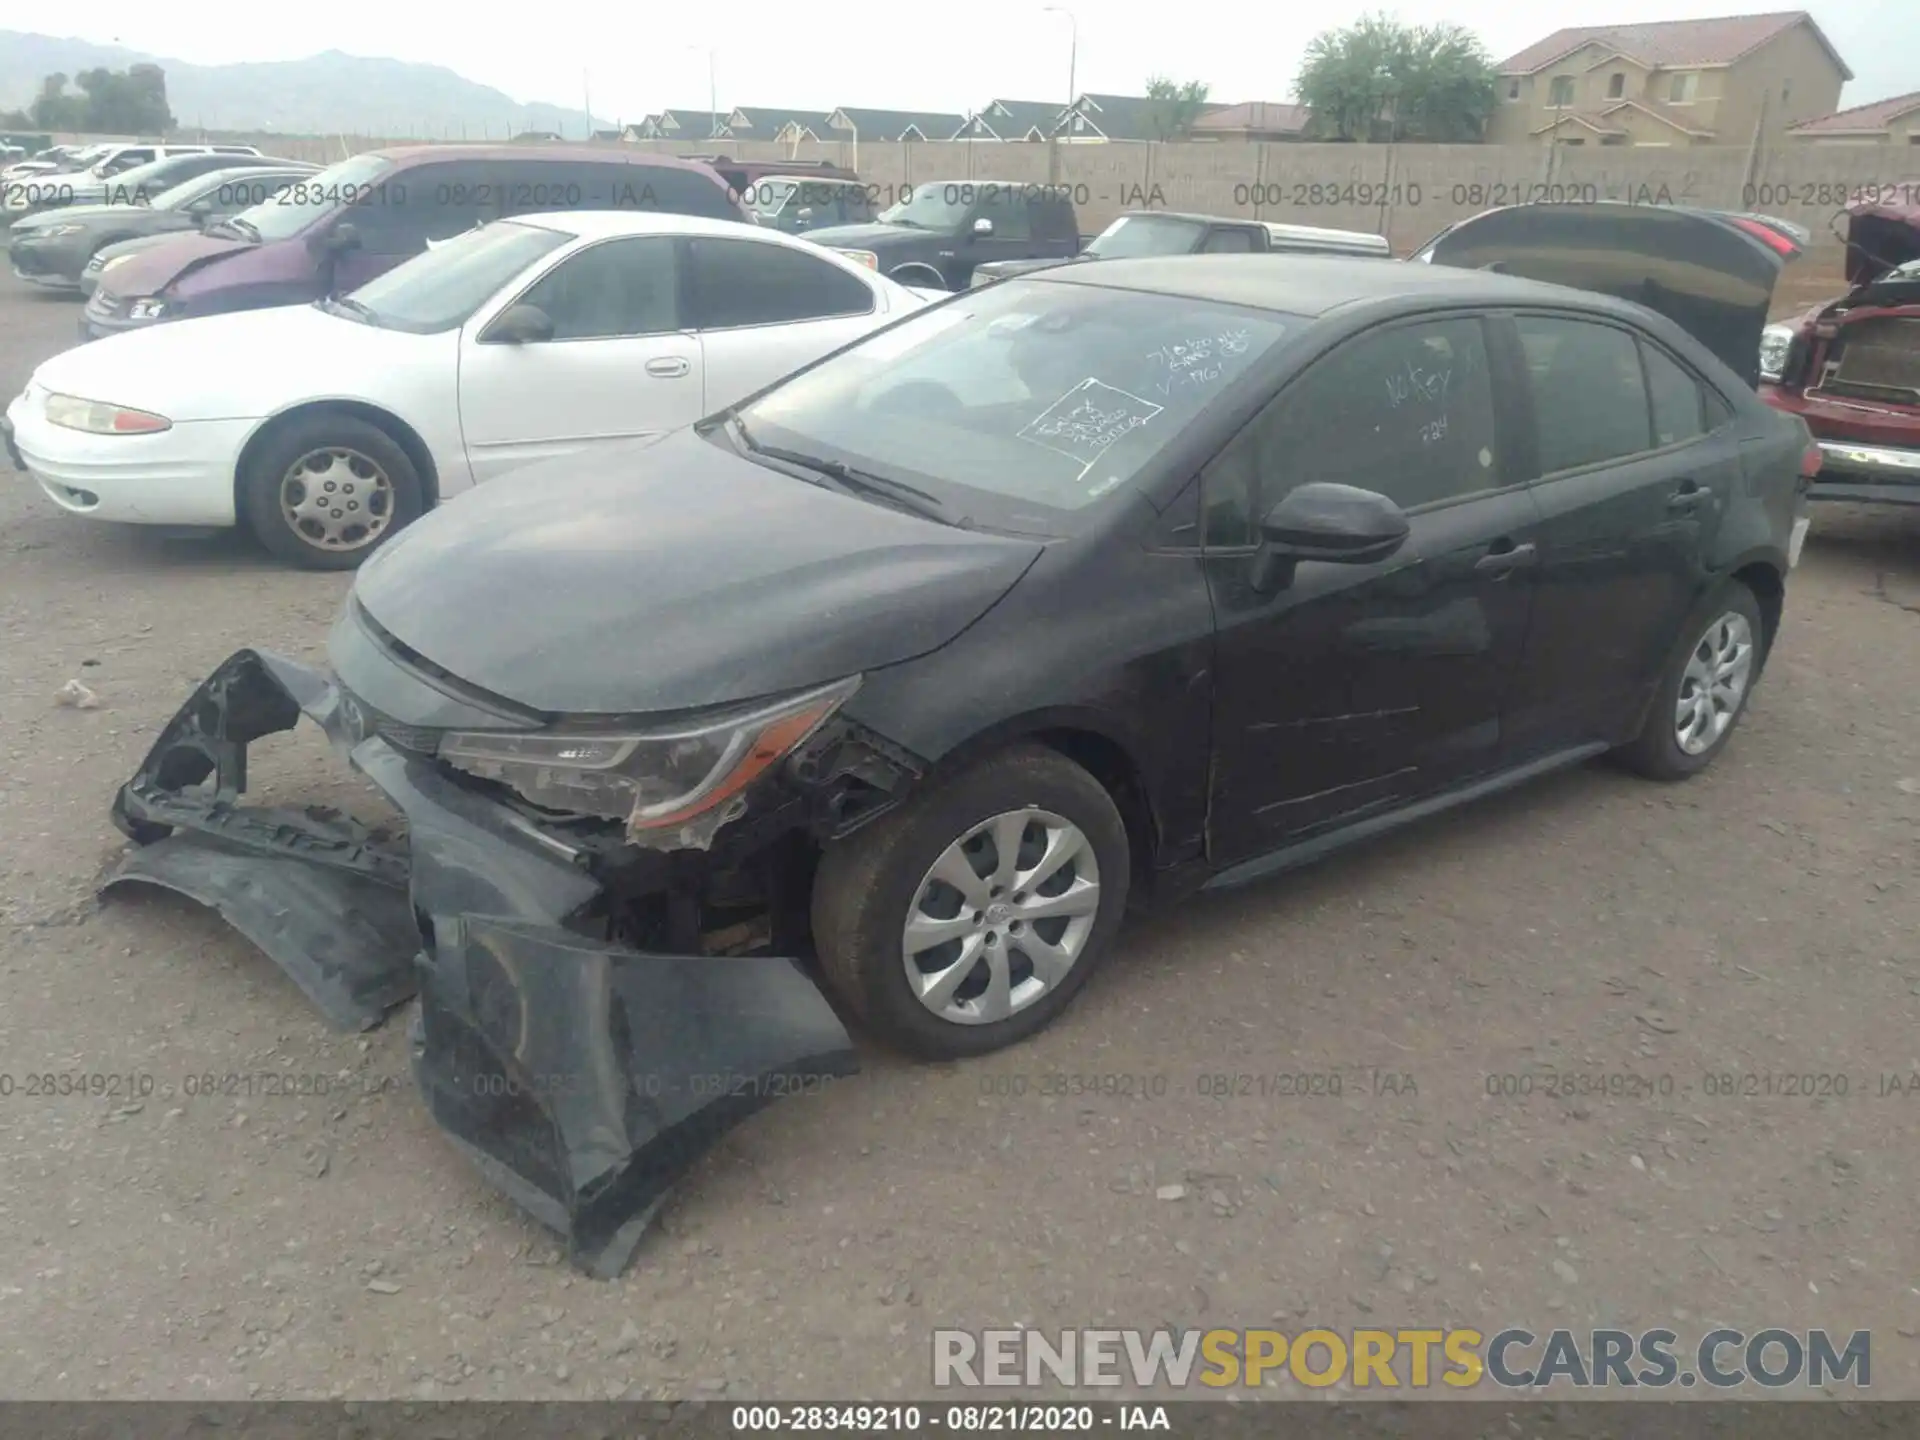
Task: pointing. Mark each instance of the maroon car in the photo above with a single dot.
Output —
(332, 232)
(1850, 367)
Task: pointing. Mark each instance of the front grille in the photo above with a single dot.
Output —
(1879, 360)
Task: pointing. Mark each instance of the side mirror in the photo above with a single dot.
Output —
(521, 325)
(341, 238)
(1334, 524)
(983, 226)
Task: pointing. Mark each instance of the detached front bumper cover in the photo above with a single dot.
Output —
(583, 1078)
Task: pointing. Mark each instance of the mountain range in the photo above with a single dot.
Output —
(332, 93)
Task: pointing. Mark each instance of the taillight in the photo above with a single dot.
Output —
(1810, 461)
(1773, 239)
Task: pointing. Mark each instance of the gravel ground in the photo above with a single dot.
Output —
(1760, 920)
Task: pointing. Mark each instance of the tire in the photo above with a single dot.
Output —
(924, 276)
(1731, 617)
(868, 885)
(357, 456)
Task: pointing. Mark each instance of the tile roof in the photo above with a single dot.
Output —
(1672, 42)
(1860, 118)
(891, 124)
(1127, 117)
(766, 123)
(692, 124)
(1255, 115)
(1012, 119)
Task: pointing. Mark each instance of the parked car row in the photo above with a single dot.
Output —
(932, 645)
(116, 173)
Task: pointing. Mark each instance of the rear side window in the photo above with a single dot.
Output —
(1228, 242)
(1678, 402)
(756, 282)
(1589, 399)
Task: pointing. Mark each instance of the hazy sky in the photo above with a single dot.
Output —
(638, 57)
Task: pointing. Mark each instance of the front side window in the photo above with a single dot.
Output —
(440, 288)
(757, 282)
(1589, 399)
(1007, 209)
(1406, 412)
(429, 204)
(1229, 242)
(1023, 403)
(1133, 235)
(620, 287)
(933, 206)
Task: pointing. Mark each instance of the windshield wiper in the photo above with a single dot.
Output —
(850, 481)
(351, 306)
(242, 228)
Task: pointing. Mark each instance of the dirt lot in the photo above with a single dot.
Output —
(1759, 921)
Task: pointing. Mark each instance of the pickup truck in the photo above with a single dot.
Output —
(940, 234)
(1163, 232)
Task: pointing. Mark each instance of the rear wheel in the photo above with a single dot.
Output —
(324, 490)
(969, 918)
(1705, 689)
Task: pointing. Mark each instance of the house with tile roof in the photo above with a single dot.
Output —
(1011, 120)
(896, 124)
(1122, 117)
(759, 122)
(1258, 120)
(1894, 121)
(680, 125)
(1672, 82)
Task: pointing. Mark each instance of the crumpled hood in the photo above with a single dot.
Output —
(873, 236)
(671, 574)
(159, 268)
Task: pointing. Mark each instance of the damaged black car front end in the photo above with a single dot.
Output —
(587, 1022)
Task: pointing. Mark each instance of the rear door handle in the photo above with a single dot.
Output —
(668, 367)
(1688, 497)
(1504, 557)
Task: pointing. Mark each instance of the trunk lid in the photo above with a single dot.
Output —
(1711, 272)
(1880, 238)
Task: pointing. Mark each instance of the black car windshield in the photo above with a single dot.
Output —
(1146, 235)
(305, 201)
(1022, 404)
(935, 205)
(442, 287)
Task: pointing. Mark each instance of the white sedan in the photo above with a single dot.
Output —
(326, 427)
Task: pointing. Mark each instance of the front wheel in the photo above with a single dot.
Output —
(1705, 689)
(324, 490)
(968, 919)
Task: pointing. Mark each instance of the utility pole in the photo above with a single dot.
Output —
(586, 98)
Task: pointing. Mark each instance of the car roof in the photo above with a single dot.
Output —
(598, 224)
(1314, 285)
(578, 154)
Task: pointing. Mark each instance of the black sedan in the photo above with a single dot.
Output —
(915, 671)
(55, 247)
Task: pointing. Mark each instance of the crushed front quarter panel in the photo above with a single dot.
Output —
(582, 1077)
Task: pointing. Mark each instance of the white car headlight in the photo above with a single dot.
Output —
(97, 417)
(680, 777)
(1775, 341)
(151, 308)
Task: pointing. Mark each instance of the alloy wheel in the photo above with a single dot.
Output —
(336, 498)
(1000, 918)
(1714, 684)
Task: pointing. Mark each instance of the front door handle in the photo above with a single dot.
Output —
(668, 367)
(1504, 557)
(1688, 497)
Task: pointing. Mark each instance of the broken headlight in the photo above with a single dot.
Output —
(655, 778)
(1775, 342)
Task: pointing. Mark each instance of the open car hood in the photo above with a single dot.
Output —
(1880, 238)
(1710, 272)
